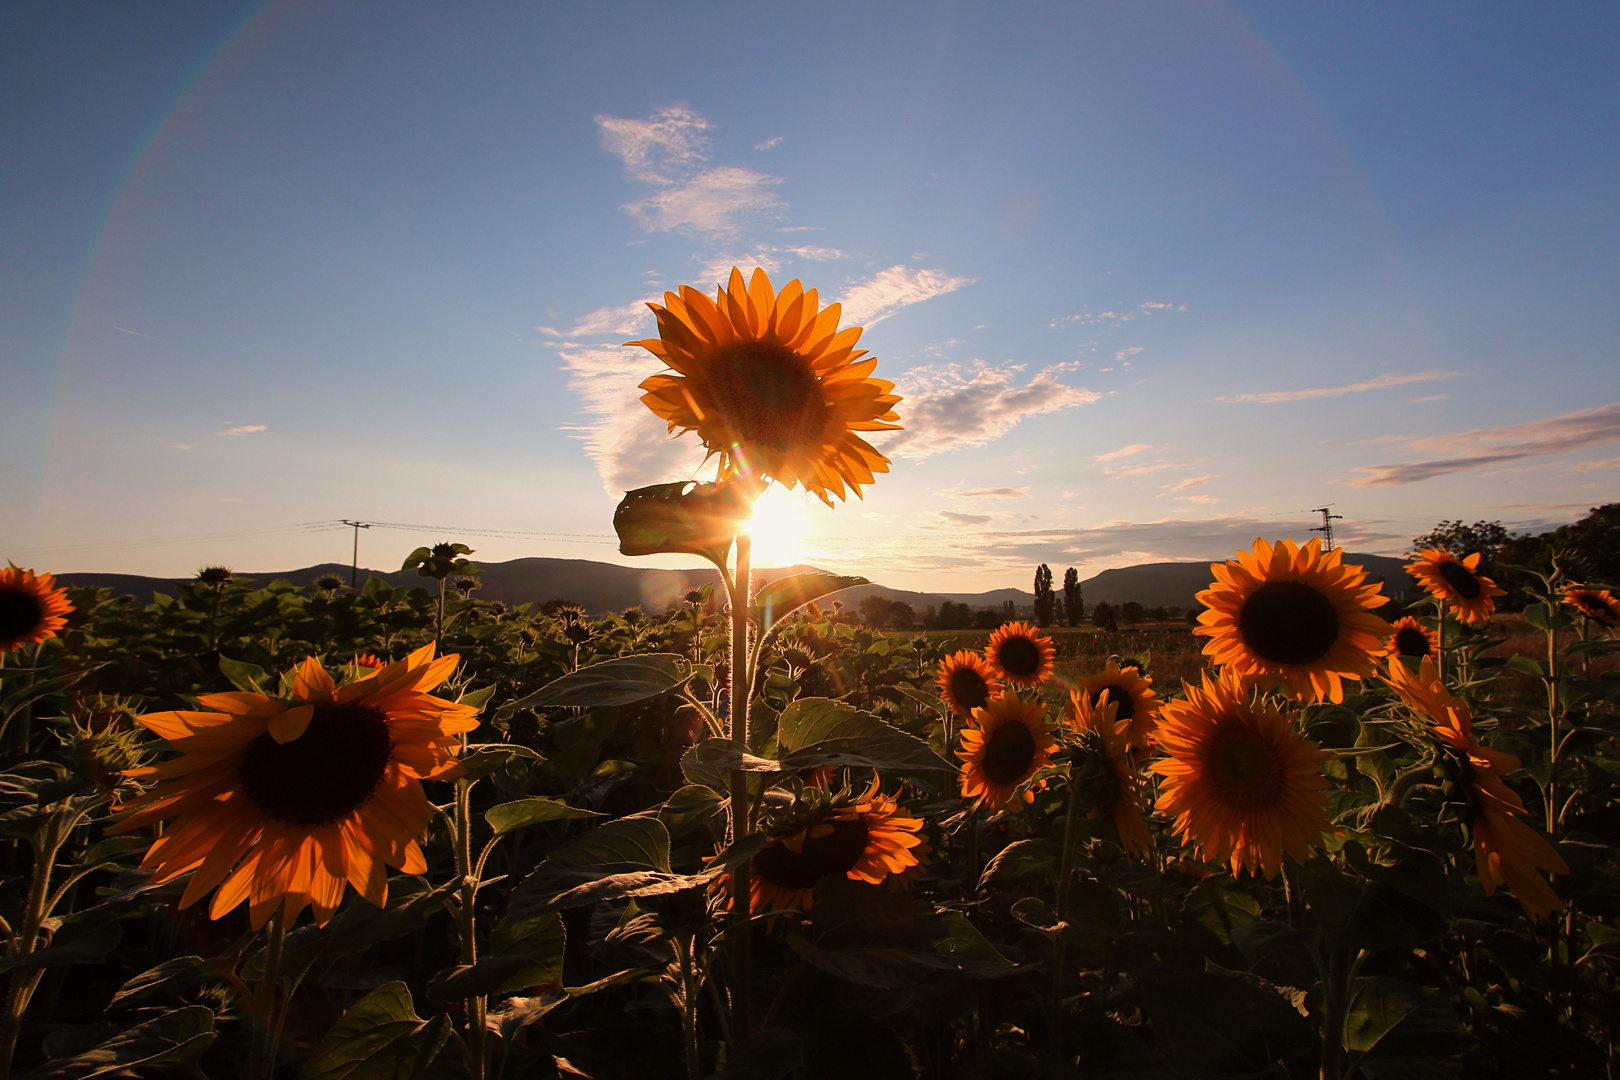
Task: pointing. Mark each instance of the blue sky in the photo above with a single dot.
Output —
(1154, 279)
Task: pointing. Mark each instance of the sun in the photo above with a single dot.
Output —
(781, 527)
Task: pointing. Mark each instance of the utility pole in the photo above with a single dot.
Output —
(354, 570)
(1326, 528)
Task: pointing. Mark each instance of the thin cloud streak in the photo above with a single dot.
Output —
(1581, 430)
(1381, 382)
(889, 290)
(947, 408)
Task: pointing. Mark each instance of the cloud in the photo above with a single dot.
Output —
(1141, 470)
(629, 446)
(947, 408)
(1272, 397)
(1115, 318)
(1588, 466)
(1192, 482)
(1201, 499)
(1126, 354)
(769, 144)
(245, 429)
(1124, 451)
(670, 151)
(816, 254)
(964, 519)
(890, 290)
(989, 493)
(180, 446)
(1581, 430)
(618, 321)
(1431, 397)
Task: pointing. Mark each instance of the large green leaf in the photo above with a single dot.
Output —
(785, 595)
(633, 845)
(175, 1039)
(167, 972)
(686, 518)
(83, 939)
(523, 954)
(246, 677)
(1384, 1012)
(812, 732)
(612, 682)
(534, 810)
(381, 1038)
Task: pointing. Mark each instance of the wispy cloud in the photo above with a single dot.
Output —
(1115, 317)
(964, 519)
(889, 290)
(1381, 382)
(816, 254)
(1193, 481)
(948, 407)
(180, 446)
(1446, 454)
(629, 446)
(1142, 470)
(1124, 451)
(769, 144)
(618, 321)
(244, 429)
(137, 333)
(1204, 500)
(1126, 354)
(988, 493)
(670, 150)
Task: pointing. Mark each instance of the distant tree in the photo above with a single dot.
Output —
(875, 612)
(1157, 614)
(1588, 550)
(988, 619)
(1131, 612)
(955, 616)
(1074, 604)
(1102, 614)
(1173, 613)
(1192, 615)
(930, 619)
(1009, 611)
(901, 615)
(1045, 598)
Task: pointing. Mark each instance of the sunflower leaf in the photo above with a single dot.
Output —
(525, 954)
(532, 811)
(246, 677)
(381, 1038)
(612, 682)
(685, 518)
(85, 938)
(786, 595)
(812, 732)
(625, 846)
(167, 972)
(175, 1039)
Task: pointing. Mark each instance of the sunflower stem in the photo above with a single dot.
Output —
(23, 981)
(1065, 872)
(262, 1058)
(1552, 719)
(1440, 640)
(742, 686)
(466, 916)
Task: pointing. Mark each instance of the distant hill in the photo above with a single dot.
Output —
(601, 587)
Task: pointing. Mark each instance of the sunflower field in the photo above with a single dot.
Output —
(261, 830)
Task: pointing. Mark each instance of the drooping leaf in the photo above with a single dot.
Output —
(533, 810)
(1021, 859)
(82, 939)
(620, 681)
(813, 732)
(623, 846)
(523, 954)
(481, 760)
(175, 1039)
(516, 1013)
(785, 595)
(685, 518)
(381, 1038)
(169, 971)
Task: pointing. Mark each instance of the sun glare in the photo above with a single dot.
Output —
(781, 527)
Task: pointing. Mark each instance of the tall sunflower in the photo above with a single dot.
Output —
(966, 682)
(1505, 848)
(280, 803)
(1599, 605)
(1458, 582)
(1121, 797)
(1020, 654)
(770, 384)
(1004, 744)
(1242, 784)
(1130, 692)
(32, 608)
(870, 841)
(1293, 613)
(1412, 639)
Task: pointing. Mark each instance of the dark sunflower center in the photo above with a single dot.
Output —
(1461, 579)
(1410, 641)
(1288, 622)
(1008, 752)
(1125, 707)
(1244, 769)
(323, 775)
(833, 853)
(20, 613)
(1019, 657)
(969, 688)
(768, 394)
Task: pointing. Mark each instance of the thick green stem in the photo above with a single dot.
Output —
(466, 917)
(1552, 720)
(742, 685)
(262, 1057)
(1065, 872)
(23, 980)
(1440, 641)
(1335, 1002)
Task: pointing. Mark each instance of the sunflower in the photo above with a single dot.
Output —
(1596, 604)
(280, 803)
(966, 682)
(1505, 848)
(1293, 613)
(770, 384)
(1411, 638)
(32, 608)
(1242, 784)
(1020, 654)
(367, 660)
(1121, 798)
(869, 841)
(1457, 582)
(1004, 744)
(1131, 694)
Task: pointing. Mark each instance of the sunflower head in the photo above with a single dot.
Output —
(966, 682)
(1131, 694)
(1411, 639)
(1020, 654)
(1004, 744)
(32, 608)
(1104, 773)
(1241, 783)
(1293, 614)
(863, 838)
(1457, 583)
(770, 384)
(1599, 605)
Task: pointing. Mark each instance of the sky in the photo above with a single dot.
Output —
(1153, 279)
